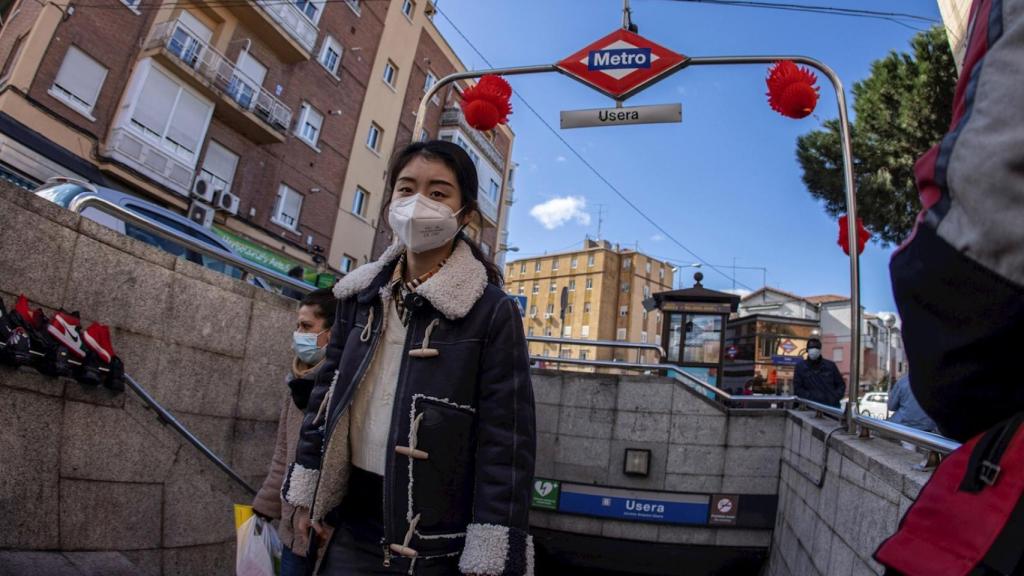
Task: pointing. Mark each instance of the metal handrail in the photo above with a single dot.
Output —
(87, 200)
(934, 442)
(169, 419)
(605, 343)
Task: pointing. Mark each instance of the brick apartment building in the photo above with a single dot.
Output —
(274, 108)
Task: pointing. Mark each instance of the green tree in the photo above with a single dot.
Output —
(902, 109)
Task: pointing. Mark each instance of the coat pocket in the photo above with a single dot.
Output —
(441, 485)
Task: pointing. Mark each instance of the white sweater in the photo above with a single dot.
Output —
(375, 397)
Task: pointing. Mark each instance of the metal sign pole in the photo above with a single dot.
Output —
(848, 183)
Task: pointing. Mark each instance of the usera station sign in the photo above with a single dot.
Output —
(621, 64)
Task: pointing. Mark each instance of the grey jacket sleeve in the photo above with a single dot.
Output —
(497, 539)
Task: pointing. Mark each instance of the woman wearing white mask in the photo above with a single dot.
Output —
(313, 323)
(424, 460)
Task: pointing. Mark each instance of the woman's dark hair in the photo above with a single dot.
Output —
(456, 159)
(324, 305)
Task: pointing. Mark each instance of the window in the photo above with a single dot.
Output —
(657, 317)
(590, 261)
(347, 262)
(625, 286)
(586, 306)
(359, 202)
(550, 309)
(312, 8)
(573, 262)
(522, 268)
(530, 332)
(547, 332)
(246, 81)
(494, 190)
(643, 337)
(429, 82)
(661, 273)
(310, 124)
(554, 264)
(219, 166)
(572, 284)
(287, 208)
(620, 334)
(647, 292)
(374, 137)
(568, 309)
(565, 353)
(583, 354)
(354, 5)
(408, 7)
(424, 135)
(172, 115)
(590, 283)
(330, 55)
(554, 286)
(522, 289)
(390, 74)
(533, 311)
(567, 332)
(585, 331)
(837, 354)
(485, 248)
(626, 264)
(536, 267)
(623, 310)
(644, 315)
(133, 4)
(647, 267)
(536, 287)
(79, 81)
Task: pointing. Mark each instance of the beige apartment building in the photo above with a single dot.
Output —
(605, 286)
(270, 123)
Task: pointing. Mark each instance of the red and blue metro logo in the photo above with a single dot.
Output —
(621, 64)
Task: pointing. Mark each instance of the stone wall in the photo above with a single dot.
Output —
(586, 421)
(833, 529)
(86, 470)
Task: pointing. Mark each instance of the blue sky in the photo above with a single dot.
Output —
(725, 182)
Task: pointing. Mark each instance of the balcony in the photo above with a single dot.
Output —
(283, 25)
(240, 102)
(453, 117)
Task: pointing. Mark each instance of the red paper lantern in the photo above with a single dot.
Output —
(844, 239)
(791, 89)
(486, 104)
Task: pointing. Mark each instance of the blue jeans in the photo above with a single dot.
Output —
(292, 564)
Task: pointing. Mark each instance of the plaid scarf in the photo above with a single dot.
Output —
(400, 289)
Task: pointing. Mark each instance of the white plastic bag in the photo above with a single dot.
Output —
(259, 549)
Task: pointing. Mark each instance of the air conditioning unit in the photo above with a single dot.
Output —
(548, 314)
(201, 214)
(202, 189)
(226, 201)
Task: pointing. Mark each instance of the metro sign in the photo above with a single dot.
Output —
(621, 64)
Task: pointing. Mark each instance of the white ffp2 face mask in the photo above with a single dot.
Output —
(422, 223)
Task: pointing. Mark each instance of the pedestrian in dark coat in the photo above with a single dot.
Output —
(818, 379)
(421, 460)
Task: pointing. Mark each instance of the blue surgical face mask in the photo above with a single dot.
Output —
(305, 346)
(814, 353)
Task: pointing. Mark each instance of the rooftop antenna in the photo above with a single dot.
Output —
(600, 218)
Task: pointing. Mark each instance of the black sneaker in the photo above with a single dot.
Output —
(88, 371)
(54, 359)
(17, 349)
(115, 375)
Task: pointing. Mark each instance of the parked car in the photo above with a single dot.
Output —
(874, 404)
(62, 191)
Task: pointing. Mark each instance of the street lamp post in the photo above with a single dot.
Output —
(890, 321)
(679, 267)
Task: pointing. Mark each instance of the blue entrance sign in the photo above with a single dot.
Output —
(786, 360)
(521, 302)
(634, 505)
(619, 59)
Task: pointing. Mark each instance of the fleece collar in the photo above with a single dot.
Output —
(453, 290)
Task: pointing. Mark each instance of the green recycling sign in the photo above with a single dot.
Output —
(545, 494)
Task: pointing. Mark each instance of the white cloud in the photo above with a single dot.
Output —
(559, 158)
(657, 238)
(741, 292)
(558, 211)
